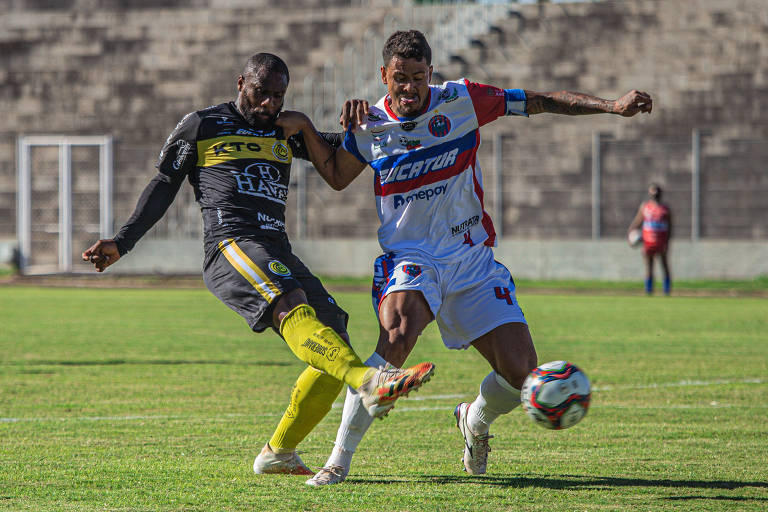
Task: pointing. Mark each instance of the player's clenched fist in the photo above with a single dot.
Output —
(633, 102)
(102, 254)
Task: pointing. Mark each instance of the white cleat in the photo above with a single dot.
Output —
(269, 462)
(329, 475)
(476, 447)
(386, 386)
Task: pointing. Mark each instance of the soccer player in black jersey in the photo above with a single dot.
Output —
(237, 157)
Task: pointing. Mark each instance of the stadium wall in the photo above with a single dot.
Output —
(131, 70)
(544, 259)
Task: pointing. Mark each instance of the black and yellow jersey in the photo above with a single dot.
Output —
(239, 173)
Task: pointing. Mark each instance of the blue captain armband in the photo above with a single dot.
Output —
(515, 100)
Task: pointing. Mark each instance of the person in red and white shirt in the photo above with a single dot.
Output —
(656, 221)
(421, 141)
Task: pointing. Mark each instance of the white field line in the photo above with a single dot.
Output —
(682, 384)
(339, 404)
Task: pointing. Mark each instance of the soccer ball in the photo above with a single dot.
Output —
(556, 395)
(635, 237)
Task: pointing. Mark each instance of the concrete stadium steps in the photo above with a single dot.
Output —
(134, 72)
(704, 63)
(94, 67)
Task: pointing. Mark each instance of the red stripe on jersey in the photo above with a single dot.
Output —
(487, 222)
(463, 160)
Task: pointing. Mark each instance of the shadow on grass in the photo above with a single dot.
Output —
(716, 498)
(111, 362)
(576, 482)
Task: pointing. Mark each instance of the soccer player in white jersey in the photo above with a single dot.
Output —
(421, 142)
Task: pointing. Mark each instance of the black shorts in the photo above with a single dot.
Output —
(249, 276)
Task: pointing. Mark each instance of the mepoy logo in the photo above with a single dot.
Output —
(418, 196)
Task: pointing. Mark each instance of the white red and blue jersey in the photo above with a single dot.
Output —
(655, 224)
(427, 181)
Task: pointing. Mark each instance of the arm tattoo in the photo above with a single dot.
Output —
(569, 103)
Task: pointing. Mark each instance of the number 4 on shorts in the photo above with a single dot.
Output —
(503, 294)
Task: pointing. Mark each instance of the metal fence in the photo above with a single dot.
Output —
(711, 195)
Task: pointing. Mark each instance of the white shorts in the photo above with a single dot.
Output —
(468, 298)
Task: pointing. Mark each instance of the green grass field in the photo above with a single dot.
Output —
(159, 400)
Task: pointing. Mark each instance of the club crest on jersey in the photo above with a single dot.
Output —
(374, 117)
(280, 151)
(449, 95)
(278, 268)
(412, 270)
(439, 125)
(408, 125)
(409, 143)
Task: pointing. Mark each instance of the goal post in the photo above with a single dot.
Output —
(63, 228)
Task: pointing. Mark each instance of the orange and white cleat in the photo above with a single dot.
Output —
(387, 385)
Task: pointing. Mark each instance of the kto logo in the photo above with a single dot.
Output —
(418, 196)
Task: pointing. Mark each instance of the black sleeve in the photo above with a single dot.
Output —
(152, 205)
(177, 158)
(299, 147)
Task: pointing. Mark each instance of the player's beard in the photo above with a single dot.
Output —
(254, 118)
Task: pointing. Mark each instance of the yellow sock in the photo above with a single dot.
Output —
(319, 346)
(311, 399)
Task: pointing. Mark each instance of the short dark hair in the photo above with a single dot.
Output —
(408, 44)
(657, 188)
(265, 62)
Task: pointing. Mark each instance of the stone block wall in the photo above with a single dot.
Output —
(99, 67)
(706, 64)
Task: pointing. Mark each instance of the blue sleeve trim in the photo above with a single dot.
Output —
(515, 99)
(350, 144)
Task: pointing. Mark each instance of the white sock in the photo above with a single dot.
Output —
(496, 397)
(355, 421)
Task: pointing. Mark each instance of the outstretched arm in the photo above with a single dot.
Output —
(177, 158)
(578, 104)
(152, 205)
(336, 166)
